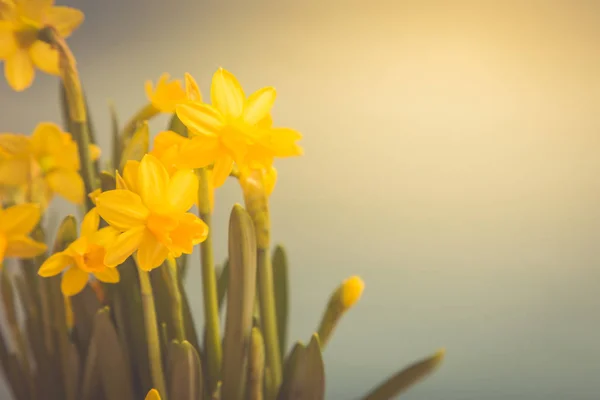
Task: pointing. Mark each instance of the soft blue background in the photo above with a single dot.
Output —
(452, 161)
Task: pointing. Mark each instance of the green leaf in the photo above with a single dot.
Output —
(308, 377)
(406, 378)
(114, 371)
(107, 181)
(222, 282)
(281, 284)
(85, 305)
(184, 372)
(240, 301)
(116, 140)
(289, 370)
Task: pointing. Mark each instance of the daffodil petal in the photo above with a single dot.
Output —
(221, 170)
(152, 181)
(130, 173)
(55, 264)
(107, 275)
(20, 219)
(12, 144)
(122, 209)
(64, 19)
(151, 253)
(47, 138)
(124, 246)
(23, 247)
(44, 57)
(153, 395)
(183, 190)
(8, 42)
(226, 94)
(73, 281)
(18, 70)
(259, 105)
(191, 88)
(15, 171)
(90, 222)
(68, 184)
(106, 236)
(120, 183)
(199, 152)
(95, 152)
(200, 118)
(33, 9)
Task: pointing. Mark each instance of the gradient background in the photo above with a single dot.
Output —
(451, 161)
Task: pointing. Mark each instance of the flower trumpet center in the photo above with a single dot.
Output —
(92, 260)
(161, 226)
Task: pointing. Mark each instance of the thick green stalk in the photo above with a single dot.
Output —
(154, 353)
(213, 351)
(76, 105)
(169, 272)
(257, 205)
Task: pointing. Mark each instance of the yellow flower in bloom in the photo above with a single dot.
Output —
(83, 257)
(16, 223)
(153, 395)
(166, 95)
(352, 289)
(149, 208)
(20, 49)
(48, 161)
(234, 128)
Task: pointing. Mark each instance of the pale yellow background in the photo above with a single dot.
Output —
(452, 160)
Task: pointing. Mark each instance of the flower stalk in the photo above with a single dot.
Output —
(257, 204)
(213, 351)
(154, 352)
(76, 105)
(169, 272)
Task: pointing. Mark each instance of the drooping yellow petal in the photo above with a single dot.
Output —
(199, 152)
(34, 10)
(55, 264)
(182, 190)
(8, 42)
(191, 88)
(64, 19)
(13, 144)
(22, 246)
(151, 253)
(153, 395)
(18, 70)
(152, 181)
(259, 105)
(200, 118)
(47, 138)
(107, 275)
(20, 219)
(15, 171)
(106, 236)
(73, 281)
(130, 173)
(44, 57)
(226, 94)
(90, 223)
(67, 184)
(124, 246)
(122, 209)
(221, 170)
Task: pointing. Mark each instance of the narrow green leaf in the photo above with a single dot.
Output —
(85, 306)
(256, 366)
(281, 284)
(222, 281)
(91, 383)
(137, 146)
(116, 140)
(406, 378)
(107, 181)
(184, 372)
(114, 372)
(289, 370)
(240, 302)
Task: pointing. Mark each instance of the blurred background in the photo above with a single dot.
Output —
(452, 161)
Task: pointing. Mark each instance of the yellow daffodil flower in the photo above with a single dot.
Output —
(166, 95)
(234, 128)
(153, 395)
(16, 223)
(83, 257)
(20, 49)
(48, 162)
(149, 208)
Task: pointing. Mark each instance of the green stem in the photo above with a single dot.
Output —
(169, 272)
(213, 349)
(143, 114)
(154, 353)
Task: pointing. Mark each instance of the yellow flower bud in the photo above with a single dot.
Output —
(351, 292)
